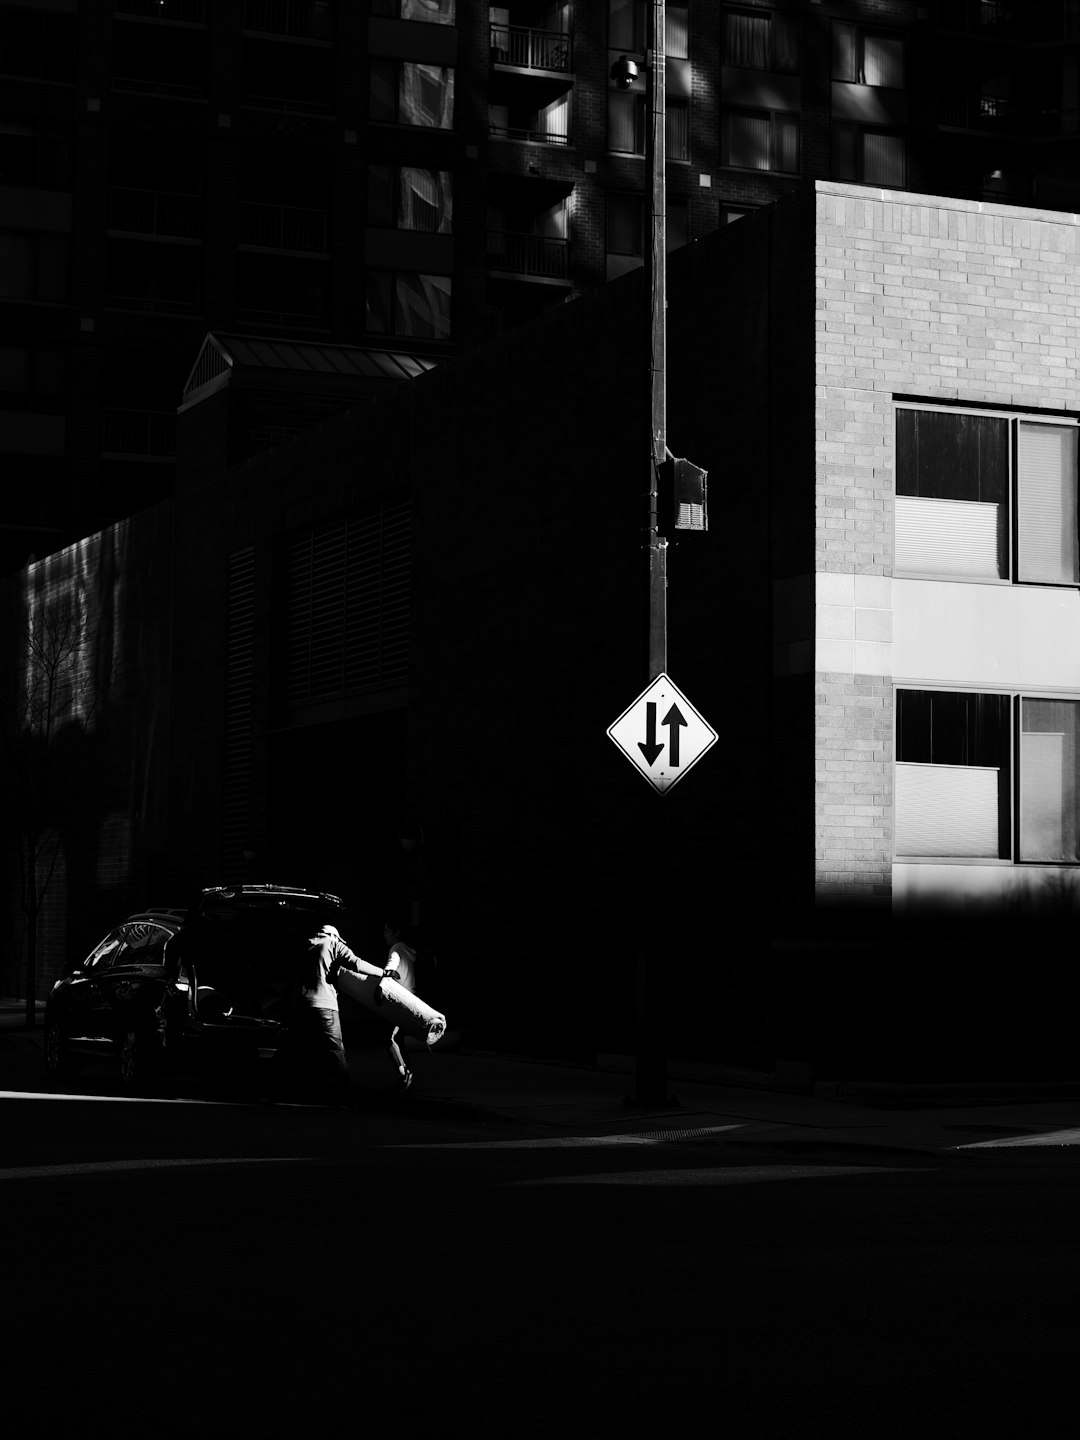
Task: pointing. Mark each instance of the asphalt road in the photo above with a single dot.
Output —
(194, 1269)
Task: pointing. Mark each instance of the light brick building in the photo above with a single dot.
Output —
(882, 622)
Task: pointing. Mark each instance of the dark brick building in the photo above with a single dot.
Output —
(422, 175)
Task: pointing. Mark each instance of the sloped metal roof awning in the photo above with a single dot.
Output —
(223, 355)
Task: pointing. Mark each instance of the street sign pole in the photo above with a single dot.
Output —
(651, 1063)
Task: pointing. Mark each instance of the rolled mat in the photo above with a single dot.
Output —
(394, 1004)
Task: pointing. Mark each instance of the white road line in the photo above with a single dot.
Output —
(1052, 1137)
(570, 1142)
(110, 1167)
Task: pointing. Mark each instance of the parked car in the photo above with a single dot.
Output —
(182, 989)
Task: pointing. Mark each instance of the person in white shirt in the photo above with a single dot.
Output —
(315, 1039)
(400, 966)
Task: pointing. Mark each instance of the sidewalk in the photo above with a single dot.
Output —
(574, 1104)
(579, 1103)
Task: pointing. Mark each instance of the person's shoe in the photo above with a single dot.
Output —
(404, 1082)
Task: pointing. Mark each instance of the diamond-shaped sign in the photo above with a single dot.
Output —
(661, 733)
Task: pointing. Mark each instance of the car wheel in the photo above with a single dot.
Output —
(60, 1064)
(138, 1058)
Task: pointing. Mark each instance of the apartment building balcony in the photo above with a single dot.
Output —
(963, 110)
(1041, 21)
(156, 212)
(307, 20)
(516, 255)
(181, 12)
(139, 434)
(282, 227)
(522, 48)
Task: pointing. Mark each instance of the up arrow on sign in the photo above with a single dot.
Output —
(663, 761)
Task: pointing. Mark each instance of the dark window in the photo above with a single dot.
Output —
(31, 378)
(401, 302)
(157, 278)
(288, 77)
(35, 159)
(38, 45)
(628, 27)
(627, 119)
(869, 156)
(760, 140)
(159, 59)
(627, 223)
(282, 289)
(757, 40)
(33, 266)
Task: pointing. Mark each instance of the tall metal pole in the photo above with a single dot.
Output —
(651, 1069)
(656, 284)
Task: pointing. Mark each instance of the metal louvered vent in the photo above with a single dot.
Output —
(239, 665)
(345, 607)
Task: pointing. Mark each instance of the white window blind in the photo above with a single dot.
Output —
(948, 537)
(947, 810)
(1046, 509)
(1042, 790)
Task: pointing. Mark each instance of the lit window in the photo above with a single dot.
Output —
(405, 303)
(956, 752)
(986, 497)
(868, 156)
(404, 92)
(760, 140)
(757, 41)
(867, 57)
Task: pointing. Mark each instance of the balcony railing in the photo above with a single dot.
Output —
(519, 254)
(282, 227)
(139, 432)
(528, 49)
(517, 132)
(156, 212)
(299, 19)
(189, 11)
(966, 111)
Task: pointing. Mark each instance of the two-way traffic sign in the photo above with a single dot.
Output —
(661, 733)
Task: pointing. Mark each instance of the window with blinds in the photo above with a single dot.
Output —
(952, 789)
(986, 497)
(1046, 504)
(343, 608)
(867, 57)
(956, 754)
(760, 140)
